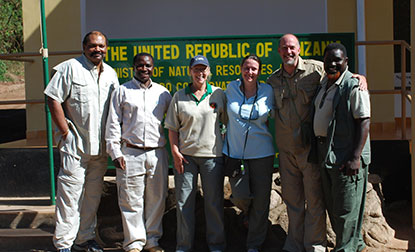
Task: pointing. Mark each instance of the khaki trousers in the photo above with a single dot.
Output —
(79, 188)
(302, 193)
(142, 192)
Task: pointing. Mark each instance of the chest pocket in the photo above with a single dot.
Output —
(308, 86)
(281, 92)
(79, 90)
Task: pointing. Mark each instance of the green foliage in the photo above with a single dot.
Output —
(11, 26)
(2, 71)
(13, 68)
(11, 31)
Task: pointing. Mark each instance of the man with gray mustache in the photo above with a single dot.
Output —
(295, 84)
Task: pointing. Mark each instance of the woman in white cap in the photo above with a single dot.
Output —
(196, 145)
(249, 104)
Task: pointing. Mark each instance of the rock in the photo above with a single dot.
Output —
(227, 189)
(275, 200)
(374, 179)
(276, 182)
(331, 236)
(376, 232)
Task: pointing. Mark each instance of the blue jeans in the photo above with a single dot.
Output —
(211, 174)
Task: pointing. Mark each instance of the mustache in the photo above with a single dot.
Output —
(97, 53)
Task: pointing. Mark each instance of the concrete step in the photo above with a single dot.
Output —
(26, 239)
(33, 212)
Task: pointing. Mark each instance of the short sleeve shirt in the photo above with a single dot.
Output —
(84, 95)
(359, 105)
(197, 122)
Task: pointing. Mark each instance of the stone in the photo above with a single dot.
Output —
(377, 233)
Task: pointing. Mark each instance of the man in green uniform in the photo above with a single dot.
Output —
(341, 126)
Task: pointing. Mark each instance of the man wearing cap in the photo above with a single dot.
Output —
(135, 142)
(193, 121)
(78, 98)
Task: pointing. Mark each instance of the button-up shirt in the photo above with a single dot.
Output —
(293, 97)
(84, 94)
(259, 139)
(135, 116)
(359, 105)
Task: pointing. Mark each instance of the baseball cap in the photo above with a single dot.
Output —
(199, 60)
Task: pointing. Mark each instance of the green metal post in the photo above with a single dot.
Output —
(48, 117)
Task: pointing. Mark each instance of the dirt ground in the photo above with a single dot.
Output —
(10, 91)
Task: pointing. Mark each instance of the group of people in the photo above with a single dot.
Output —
(321, 131)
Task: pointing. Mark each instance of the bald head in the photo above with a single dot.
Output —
(288, 37)
(289, 50)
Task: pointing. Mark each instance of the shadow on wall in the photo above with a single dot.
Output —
(13, 125)
(25, 172)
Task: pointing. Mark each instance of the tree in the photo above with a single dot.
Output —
(11, 26)
(11, 31)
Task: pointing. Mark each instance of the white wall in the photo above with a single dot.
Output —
(183, 18)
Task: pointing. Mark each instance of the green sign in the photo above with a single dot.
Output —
(172, 55)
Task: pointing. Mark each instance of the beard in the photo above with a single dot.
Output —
(290, 62)
(333, 76)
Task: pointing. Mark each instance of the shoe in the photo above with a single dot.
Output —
(134, 250)
(216, 251)
(155, 249)
(64, 250)
(88, 246)
(253, 250)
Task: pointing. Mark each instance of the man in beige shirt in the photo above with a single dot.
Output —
(295, 84)
(135, 141)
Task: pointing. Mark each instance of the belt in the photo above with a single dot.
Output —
(140, 148)
(321, 139)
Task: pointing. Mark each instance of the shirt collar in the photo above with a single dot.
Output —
(300, 67)
(89, 64)
(338, 81)
(187, 89)
(139, 84)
